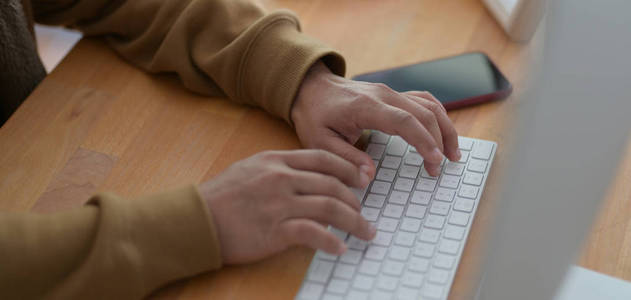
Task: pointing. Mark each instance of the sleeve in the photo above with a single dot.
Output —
(111, 248)
(216, 47)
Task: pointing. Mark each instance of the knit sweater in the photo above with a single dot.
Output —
(114, 248)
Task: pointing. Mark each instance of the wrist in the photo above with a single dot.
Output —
(317, 77)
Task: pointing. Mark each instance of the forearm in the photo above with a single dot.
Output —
(110, 249)
(216, 47)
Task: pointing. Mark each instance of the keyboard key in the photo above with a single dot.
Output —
(379, 137)
(473, 178)
(477, 165)
(427, 185)
(407, 294)
(463, 204)
(344, 271)
(449, 247)
(454, 232)
(434, 221)
(424, 250)
(399, 253)
(320, 271)
(410, 224)
(362, 282)
(397, 146)
(382, 238)
(381, 295)
(393, 210)
(357, 243)
(393, 268)
(387, 283)
(391, 162)
(404, 184)
(356, 295)
(405, 239)
(370, 214)
(375, 200)
(412, 279)
(351, 257)
(398, 197)
(387, 224)
(311, 291)
(419, 197)
(464, 156)
(450, 181)
(432, 291)
(329, 296)
(438, 276)
(459, 218)
(338, 286)
(429, 235)
(418, 264)
(415, 211)
(386, 174)
(444, 194)
(468, 191)
(454, 168)
(409, 171)
(359, 193)
(380, 187)
(465, 143)
(440, 208)
(444, 261)
(376, 252)
(482, 150)
(338, 233)
(369, 267)
(375, 150)
(413, 159)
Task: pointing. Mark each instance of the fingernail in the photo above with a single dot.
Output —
(372, 230)
(458, 155)
(365, 169)
(363, 179)
(437, 156)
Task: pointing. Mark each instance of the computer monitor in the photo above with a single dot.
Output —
(574, 125)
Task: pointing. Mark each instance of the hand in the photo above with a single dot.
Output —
(272, 200)
(330, 112)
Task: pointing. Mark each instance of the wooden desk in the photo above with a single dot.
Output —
(97, 123)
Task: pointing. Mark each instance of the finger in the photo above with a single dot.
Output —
(423, 114)
(310, 183)
(448, 131)
(395, 121)
(341, 147)
(311, 234)
(328, 163)
(427, 95)
(333, 212)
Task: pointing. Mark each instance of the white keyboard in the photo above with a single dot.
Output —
(422, 226)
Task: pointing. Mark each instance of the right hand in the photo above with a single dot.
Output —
(276, 199)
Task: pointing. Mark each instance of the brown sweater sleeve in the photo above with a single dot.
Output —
(216, 47)
(111, 248)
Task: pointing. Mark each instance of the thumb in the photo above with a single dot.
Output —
(348, 152)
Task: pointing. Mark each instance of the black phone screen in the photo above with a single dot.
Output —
(463, 77)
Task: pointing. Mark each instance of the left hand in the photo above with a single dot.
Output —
(330, 112)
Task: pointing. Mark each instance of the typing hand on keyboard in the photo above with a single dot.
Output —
(330, 112)
(422, 226)
(272, 200)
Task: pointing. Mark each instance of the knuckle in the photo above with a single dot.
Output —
(405, 117)
(329, 207)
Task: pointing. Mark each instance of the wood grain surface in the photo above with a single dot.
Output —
(97, 123)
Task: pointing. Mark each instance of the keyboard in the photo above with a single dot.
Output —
(422, 226)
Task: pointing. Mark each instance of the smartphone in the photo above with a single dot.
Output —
(456, 81)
